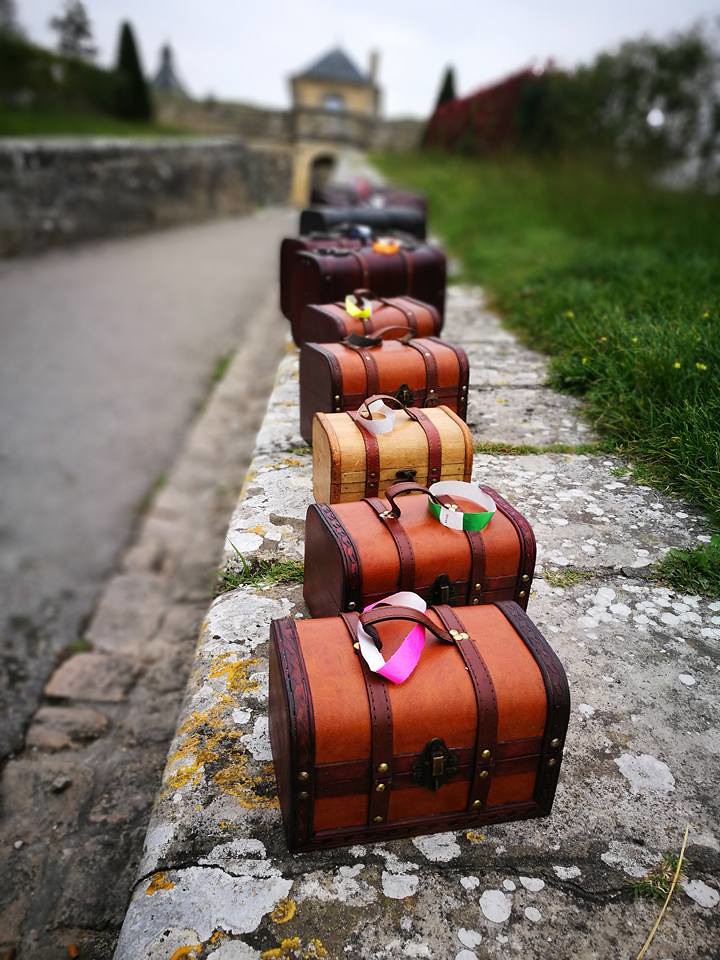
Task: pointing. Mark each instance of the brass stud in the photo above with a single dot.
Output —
(477, 804)
(377, 819)
(372, 476)
(525, 577)
(555, 743)
(356, 646)
(486, 754)
(383, 768)
(484, 773)
(351, 605)
(380, 788)
(478, 586)
(476, 600)
(303, 775)
(522, 593)
(303, 795)
(337, 397)
(552, 761)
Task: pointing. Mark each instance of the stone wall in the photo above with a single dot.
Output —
(56, 191)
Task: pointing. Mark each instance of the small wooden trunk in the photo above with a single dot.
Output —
(474, 736)
(425, 372)
(357, 553)
(329, 274)
(425, 445)
(400, 316)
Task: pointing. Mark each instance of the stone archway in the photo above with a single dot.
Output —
(315, 165)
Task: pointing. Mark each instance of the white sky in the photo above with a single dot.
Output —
(244, 50)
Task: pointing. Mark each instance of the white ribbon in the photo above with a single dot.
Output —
(369, 652)
(386, 421)
(464, 491)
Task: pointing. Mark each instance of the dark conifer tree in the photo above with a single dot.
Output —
(134, 101)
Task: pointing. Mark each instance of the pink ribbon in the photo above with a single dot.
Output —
(402, 663)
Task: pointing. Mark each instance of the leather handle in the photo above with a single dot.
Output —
(357, 341)
(390, 401)
(386, 614)
(399, 490)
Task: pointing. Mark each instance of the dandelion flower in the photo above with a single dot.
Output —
(603, 339)
(570, 314)
(706, 315)
(586, 359)
(634, 339)
(701, 366)
(677, 365)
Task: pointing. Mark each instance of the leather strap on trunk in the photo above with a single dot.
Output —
(381, 736)
(372, 457)
(487, 712)
(432, 435)
(431, 371)
(363, 267)
(477, 559)
(406, 579)
(408, 258)
(371, 372)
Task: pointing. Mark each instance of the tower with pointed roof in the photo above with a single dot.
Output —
(333, 100)
(166, 79)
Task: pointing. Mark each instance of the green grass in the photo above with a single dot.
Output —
(220, 367)
(692, 571)
(31, 123)
(522, 449)
(616, 280)
(656, 883)
(258, 572)
(565, 577)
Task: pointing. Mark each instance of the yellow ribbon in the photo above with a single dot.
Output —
(358, 311)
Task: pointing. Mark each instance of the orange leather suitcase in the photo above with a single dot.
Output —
(357, 553)
(473, 736)
(420, 372)
(364, 313)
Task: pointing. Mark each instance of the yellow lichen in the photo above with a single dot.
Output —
(235, 780)
(189, 952)
(159, 881)
(260, 530)
(315, 949)
(284, 911)
(217, 935)
(292, 947)
(474, 836)
(236, 672)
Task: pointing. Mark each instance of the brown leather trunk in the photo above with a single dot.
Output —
(291, 246)
(329, 275)
(425, 445)
(380, 220)
(356, 554)
(474, 736)
(331, 323)
(424, 372)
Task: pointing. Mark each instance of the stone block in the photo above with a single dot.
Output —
(57, 728)
(93, 677)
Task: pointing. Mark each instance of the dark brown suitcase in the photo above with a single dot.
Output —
(328, 275)
(380, 220)
(474, 736)
(291, 246)
(423, 372)
(356, 553)
(333, 322)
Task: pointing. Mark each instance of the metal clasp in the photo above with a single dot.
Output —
(405, 395)
(442, 590)
(405, 474)
(435, 765)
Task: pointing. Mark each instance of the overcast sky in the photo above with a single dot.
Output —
(244, 49)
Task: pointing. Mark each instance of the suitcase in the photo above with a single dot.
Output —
(423, 372)
(390, 267)
(390, 197)
(357, 553)
(384, 220)
(473, 736)
(351, 462)
(291, 246)
(365, 313)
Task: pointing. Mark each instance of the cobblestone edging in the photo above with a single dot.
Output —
(56, 191)
(216, 878)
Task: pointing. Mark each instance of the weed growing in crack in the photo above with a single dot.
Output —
(696, 570)
(260, 571)
(522, 449)
(656, 883)
(565, 577)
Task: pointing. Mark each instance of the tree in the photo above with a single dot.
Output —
(447, 87)
(134, 101)
(74, 31)
(9, 26)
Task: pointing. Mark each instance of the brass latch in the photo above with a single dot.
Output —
(405, 395)
(442, 589)
(435, 765)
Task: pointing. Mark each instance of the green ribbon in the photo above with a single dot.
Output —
(471, 521)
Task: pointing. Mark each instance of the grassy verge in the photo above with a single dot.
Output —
(257, 572)
(616, 280)
(33, 123)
